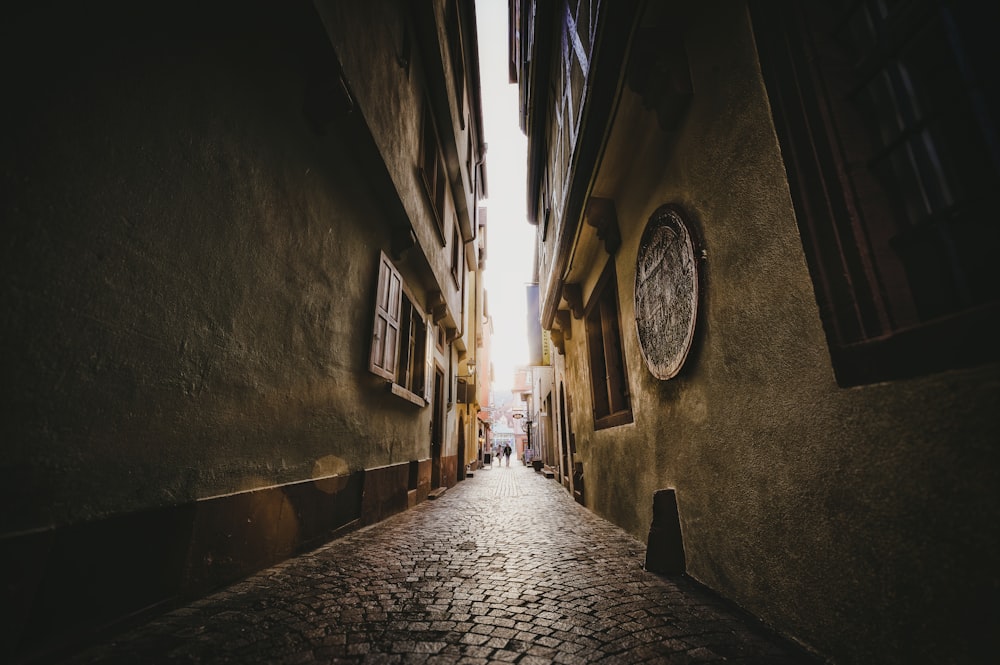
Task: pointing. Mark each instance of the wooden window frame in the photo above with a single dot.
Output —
(457, 255)
(401, 338)
(608, 371)
(434, 172)
(456, 54)
(870, 256)
(385, 334)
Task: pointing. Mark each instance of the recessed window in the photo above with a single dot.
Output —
(457, 57)
(399, 339)
(435, 177)
(456, 253)
(608, 377)
(886, 115)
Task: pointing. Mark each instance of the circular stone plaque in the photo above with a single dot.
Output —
(666, 292)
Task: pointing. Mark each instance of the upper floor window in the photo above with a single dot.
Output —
(456, 54)
(400, 336)
(887, 117)
(608, 377)
(470, 163)
(435, 175)
(456, 254)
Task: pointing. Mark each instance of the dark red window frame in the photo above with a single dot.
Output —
(886, 114)
(608, 372)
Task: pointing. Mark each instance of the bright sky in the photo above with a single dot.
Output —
(509, 236)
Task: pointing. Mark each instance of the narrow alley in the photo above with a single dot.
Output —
(503, 568)
(278, 278)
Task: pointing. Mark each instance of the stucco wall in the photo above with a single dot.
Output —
(860, 520)
(385, 59)
(188, 269)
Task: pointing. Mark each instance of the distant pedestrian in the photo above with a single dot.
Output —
(506, 454)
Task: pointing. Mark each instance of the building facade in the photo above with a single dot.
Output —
(486, 378)
(475, 377)
(239, 257)
(765, 266)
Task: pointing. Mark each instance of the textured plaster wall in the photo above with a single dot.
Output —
(858, 520)
(188, 271)
(383, 56)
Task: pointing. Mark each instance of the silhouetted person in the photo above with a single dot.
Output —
(506, 454)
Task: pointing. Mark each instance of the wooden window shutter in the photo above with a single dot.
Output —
(385, 337)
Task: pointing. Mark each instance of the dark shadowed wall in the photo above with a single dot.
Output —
(860, 520)
(188, 277)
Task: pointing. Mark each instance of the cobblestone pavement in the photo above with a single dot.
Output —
(503, 568)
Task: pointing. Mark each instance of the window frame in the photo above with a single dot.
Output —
(401, 337)
(434, 172)
(610, 395)
(457, 253)
(384, 351)
(456, 55)
(853, 219)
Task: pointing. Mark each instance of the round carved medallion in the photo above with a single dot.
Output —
(666, 292)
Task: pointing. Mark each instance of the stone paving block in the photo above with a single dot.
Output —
(535, 660)
(503, 568)
(563, 657)
(505, 656)
(476, 639)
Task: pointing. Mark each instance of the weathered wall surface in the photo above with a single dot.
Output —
(189, 270)
(193, 212)
(386, 32)
(849, 518)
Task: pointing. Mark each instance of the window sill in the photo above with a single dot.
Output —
(400, 391)
(613, 420)
(958, 341)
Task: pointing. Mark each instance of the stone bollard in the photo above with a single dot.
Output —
(665, 547)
